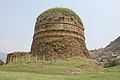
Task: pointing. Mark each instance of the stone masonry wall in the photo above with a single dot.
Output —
(58, 36)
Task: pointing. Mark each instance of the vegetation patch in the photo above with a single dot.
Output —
(75, 69)
(66, 11)
(1, 62)
(111, 63)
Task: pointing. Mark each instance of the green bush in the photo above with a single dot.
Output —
(1, 62)
(111, 63)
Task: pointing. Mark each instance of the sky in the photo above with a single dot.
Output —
(101, 19)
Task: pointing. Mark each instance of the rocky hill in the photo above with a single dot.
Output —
(113, 47)
(110, 50)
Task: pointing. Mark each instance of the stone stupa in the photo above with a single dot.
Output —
(59, 34)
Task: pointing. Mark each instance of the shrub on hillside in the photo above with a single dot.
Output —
(111, 63)
(1, 62)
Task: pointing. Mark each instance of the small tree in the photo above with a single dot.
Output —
(1, 62)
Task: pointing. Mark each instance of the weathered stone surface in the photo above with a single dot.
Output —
(59, 34)
(12, 56)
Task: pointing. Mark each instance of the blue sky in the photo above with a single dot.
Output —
(101, 20)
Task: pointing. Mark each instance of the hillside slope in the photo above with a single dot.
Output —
(72, 69)
(112, 49)
(76, 65)
(114, 46)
